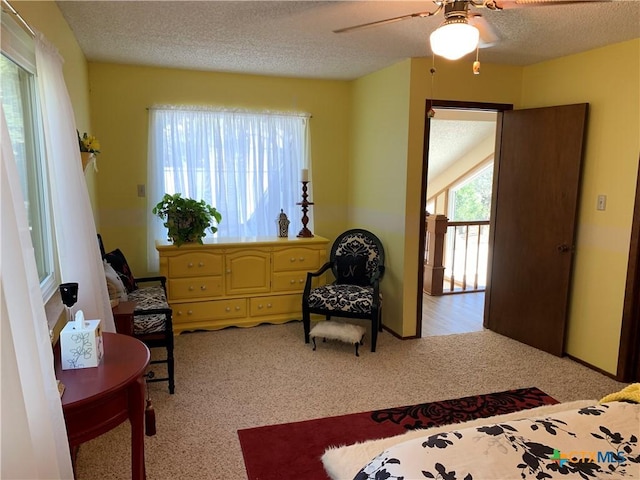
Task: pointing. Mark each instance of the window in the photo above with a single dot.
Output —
(471, 199)
(246, 164)
(17, 68)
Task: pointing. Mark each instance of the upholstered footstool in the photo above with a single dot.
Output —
(344, 332)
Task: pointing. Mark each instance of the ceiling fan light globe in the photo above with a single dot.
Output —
(453, 40)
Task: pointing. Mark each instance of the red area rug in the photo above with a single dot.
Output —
(292, 451)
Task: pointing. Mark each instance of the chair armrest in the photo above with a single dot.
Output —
(310, 275)
(153, 311)
(319, 272)
(161, 279)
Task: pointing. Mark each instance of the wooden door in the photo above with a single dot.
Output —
(536, 184)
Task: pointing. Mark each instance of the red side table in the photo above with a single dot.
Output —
(98, 399)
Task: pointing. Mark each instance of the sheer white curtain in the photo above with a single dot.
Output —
(246, 164)
(36, 443)
(75, 231)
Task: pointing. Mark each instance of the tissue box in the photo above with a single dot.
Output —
(81, 347)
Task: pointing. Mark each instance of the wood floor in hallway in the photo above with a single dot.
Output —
(449, 314)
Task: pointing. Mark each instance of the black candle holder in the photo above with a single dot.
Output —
(69, 295)
(305, 232)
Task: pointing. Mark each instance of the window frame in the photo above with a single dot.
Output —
(157, 170)
(18, 47)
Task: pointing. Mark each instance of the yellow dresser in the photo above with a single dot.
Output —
(238, 282)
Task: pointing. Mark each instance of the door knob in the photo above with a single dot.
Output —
(563, 248)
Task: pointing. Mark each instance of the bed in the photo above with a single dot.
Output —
(583, 439)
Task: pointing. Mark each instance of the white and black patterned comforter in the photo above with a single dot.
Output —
(599, 441)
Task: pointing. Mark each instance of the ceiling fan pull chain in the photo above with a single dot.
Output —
(476, 64)
(432, 113)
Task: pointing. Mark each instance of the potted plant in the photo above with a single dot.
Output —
(186, 219)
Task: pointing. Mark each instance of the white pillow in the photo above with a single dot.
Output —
(114, 279)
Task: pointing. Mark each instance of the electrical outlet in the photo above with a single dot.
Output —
(602, 202)
(142, 191)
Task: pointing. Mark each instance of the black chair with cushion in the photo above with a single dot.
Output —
(357, 263)
(152, 316)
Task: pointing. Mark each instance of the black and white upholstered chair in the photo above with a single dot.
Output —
(152, 316)
(357, 263)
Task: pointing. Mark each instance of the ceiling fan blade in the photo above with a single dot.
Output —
(488, 35)
(506, 4)
(388, 20)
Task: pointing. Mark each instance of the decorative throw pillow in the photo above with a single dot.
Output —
(352, 270)
(119, 263)
(114, 281)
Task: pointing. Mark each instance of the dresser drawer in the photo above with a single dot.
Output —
(219, 309)
(285, 282)
(196, 287)
(276, 305)
(306, 259)
(195, 264)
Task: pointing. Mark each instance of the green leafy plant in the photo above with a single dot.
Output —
(186, 219)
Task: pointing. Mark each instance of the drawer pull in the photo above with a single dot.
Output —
(260, 305)
(292, 259)
(301, 280)
(228, 270)
(201, 264)
(190, 287)
(179, 312)
(237, 307)
(203, 287)
(302, 259)
(190, 264)
(190, 312)
(268, 305)
(292, 281)
(228, 309)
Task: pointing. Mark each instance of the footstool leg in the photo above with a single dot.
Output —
(314, 344)
(357, 345)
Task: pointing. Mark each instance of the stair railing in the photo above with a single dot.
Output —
(456, 255)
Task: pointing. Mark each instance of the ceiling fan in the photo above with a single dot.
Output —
(463, 30)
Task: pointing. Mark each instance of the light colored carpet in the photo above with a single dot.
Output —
(241, 378)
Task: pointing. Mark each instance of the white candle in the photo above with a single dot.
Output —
(305, 175)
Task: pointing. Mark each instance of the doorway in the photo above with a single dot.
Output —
(532, 231)
(459, 186)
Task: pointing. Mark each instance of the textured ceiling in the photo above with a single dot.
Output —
(454, 133)
(295, 38)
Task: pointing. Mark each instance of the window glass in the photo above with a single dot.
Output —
(18, 101)
(471, 199)
(245, 164)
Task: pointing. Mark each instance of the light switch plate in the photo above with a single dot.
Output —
(602, 202)
(142, 191)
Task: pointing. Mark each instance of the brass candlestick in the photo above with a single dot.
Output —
(305, 232)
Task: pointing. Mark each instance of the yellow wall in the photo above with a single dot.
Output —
(45, 17)
(387, 136)
(120, 96)
(378, 172)
(608, 79)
